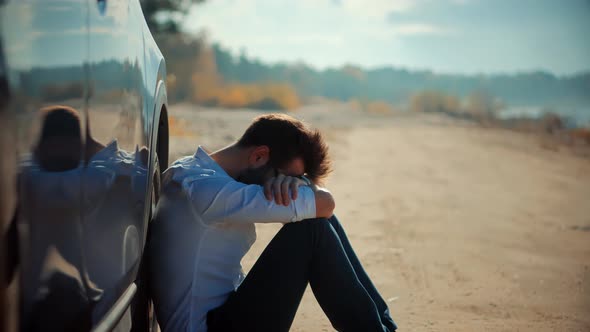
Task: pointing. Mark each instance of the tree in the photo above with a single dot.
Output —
(166, 15)
(482, 105)
(434, 101)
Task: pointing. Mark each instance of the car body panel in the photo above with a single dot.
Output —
(82, 95)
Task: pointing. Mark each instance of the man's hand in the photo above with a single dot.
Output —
(279, 187)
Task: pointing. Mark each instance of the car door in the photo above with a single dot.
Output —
(44, 113)
(116, 177)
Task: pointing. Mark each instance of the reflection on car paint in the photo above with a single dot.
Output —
(49, 192)
(77, 109)
(59, 221)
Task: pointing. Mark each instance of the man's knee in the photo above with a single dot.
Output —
(320, 220)
(317, 222)
(324, 222)
(311, 225)
(320, 228)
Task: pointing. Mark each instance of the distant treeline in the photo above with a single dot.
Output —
(397, 85)
(212, 75)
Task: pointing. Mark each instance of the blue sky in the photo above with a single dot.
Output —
(447, 36)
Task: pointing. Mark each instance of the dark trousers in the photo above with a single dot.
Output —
(315, 251)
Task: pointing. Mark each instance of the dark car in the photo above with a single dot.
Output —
(83, 137)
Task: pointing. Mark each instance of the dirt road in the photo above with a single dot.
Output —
(461, 228)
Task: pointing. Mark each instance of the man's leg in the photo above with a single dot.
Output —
(268, 298)
(363, 277)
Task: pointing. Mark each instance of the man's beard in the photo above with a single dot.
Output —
(257, 175)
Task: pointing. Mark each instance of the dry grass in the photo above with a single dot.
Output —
(178, 127)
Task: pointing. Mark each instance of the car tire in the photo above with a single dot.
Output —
(144, 316)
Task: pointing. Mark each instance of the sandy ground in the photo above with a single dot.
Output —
(461, 228)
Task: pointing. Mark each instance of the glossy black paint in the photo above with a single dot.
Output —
(82, 116)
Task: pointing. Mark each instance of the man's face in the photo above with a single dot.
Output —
(259, 175)
(256, 175)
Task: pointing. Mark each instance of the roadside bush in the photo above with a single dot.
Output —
(271, 96)
(580, 135)
(434, 101)
(551, 123)
(379, 107)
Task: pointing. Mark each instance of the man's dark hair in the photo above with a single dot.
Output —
(288, 138)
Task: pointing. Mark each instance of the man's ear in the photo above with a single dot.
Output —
(259, 156)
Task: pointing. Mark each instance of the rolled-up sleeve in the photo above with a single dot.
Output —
(235, 202)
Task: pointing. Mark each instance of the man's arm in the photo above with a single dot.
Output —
(219, 200)
(282, 187)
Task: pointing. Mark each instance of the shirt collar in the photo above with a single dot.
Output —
(206, 160)
(203, 155)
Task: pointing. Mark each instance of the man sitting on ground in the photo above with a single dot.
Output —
(204, 225)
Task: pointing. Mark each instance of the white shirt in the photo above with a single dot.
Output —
(203, 227)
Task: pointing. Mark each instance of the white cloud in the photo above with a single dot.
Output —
(460, 2)
(377, 8)
(417, 29)
(297, 40)
(307, 39)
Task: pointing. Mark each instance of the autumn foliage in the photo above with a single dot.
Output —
(206, 86)
(239, 95)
